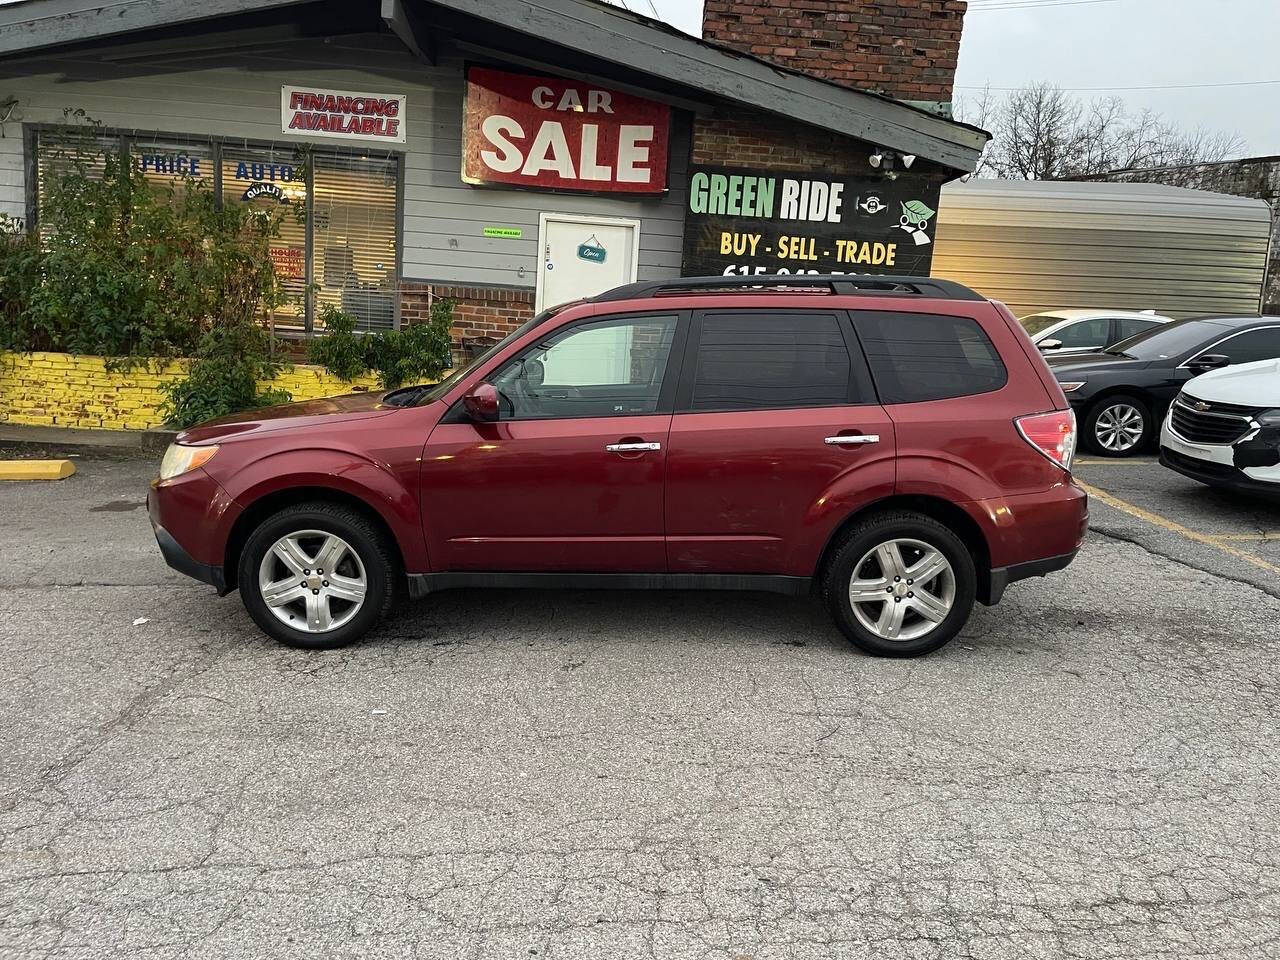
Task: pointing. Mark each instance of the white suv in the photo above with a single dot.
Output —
(1224, 428)
(1085, 331)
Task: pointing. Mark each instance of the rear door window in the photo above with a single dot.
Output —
(1128, 327)
(916, 357)
(1086, 333)
(769, 360)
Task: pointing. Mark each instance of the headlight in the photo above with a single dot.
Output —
(180, 459)
(1268, 418)
(1072, 387)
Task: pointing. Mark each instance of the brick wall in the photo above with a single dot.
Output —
(58, 389)
(1257, 177)
(905, 49)
(480, 312)
(764, 141)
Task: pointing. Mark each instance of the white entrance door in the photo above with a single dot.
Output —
(583, 256)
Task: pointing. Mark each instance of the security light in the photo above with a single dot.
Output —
(876, 159)
(908, 159)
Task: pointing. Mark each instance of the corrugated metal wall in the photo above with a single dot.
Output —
(239, 96)
(1049, 246)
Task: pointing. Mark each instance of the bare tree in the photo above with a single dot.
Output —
(1041, 132)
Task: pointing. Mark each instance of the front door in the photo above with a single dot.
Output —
(777, 437)
(570, 477)
(582, 256)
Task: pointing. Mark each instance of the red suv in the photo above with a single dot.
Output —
(895, 442)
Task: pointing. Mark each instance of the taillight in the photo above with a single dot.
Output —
(1052, 434)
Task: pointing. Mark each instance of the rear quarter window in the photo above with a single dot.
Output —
(916, 357)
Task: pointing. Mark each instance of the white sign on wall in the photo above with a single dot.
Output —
(342, 114)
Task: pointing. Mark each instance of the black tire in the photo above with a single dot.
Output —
(879, 529)
(377, 557)
(1090, 431)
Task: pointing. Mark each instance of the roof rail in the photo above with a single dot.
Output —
(839, 284)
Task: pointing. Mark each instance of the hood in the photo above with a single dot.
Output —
(1072, 364)
(1244, 384)
(295, 416)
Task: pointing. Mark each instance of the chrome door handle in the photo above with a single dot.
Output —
(632, 447)
(856, 438)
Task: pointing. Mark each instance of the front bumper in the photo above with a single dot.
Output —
(192, 517)
(1219, 465)
(183, 562)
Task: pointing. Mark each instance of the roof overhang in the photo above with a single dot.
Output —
(579, 28)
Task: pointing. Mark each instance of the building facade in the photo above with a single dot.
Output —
(1254, 177)
(509, 155)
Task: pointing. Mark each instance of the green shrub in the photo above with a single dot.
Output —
(414, 353)
(340, 350)
(21, 263)
(224, 375)
(129, 270)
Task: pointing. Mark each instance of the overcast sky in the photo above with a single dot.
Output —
(1118, 43)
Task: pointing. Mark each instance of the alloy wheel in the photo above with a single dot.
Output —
(902, 589)
(312, 581)
(1119, 427)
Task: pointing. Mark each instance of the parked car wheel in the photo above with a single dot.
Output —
(317, 576)
(1118, 426)
(901, 585)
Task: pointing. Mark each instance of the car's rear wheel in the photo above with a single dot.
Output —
(1118, 426)
(900, 585)
(317, 576)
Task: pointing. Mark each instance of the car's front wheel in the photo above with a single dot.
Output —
(901, 585)
(1118, 426)
(317, 575)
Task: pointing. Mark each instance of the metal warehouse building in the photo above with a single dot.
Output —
(510, 153)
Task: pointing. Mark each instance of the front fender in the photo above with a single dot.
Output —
(387, 489)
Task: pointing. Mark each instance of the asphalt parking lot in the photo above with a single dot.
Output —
(1089, 771)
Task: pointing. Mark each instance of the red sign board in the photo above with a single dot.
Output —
(562, 135)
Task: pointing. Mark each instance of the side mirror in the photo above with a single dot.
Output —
(481, 403)
(1050, 344)
(1210, 361)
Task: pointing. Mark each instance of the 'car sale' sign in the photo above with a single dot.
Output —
(554, 134)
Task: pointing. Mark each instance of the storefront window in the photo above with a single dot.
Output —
(354, 213)
(169, 164)
(340, 209)
(275, 179)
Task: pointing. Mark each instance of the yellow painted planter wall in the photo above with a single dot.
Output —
(58, 389)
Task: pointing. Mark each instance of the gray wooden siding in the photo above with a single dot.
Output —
(1051, 246)
(239, 96)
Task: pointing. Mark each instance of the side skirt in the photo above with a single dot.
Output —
(421, 584)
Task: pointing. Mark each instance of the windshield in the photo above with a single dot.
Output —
(1169, 340)
(438, 390)
(1040, 321)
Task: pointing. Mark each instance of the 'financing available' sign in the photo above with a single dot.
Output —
(744, 222)
(552, 134)
(342, 114)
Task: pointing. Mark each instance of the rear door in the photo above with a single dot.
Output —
(777, 436)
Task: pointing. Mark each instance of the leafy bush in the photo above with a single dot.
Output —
(130, 270)
(411, 354)
(223, 377)
(340, 350)
(21, 262)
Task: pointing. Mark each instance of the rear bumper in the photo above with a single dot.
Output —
(1030, 535)
(1001, 577)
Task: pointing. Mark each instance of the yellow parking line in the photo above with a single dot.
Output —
(1119, 462)
(1270, 535)
(1166, 524)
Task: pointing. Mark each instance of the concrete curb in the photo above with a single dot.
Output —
(67, 441)
(36, 469)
